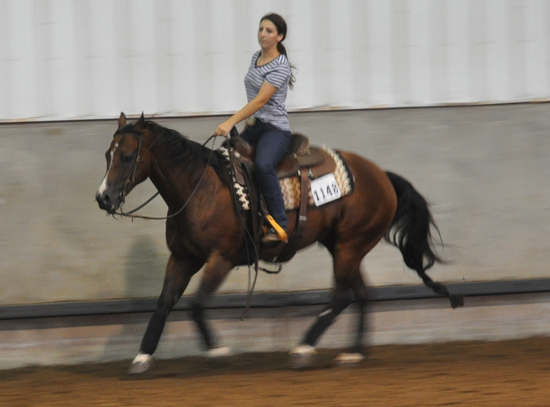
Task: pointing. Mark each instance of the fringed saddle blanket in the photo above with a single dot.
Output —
(321, 190)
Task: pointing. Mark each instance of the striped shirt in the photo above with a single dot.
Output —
(276, 73)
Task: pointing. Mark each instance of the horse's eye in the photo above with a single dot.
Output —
(127, 157)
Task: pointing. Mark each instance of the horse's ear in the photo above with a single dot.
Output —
(140, 124)
(121, 120)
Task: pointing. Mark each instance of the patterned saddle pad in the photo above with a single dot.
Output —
(321, 190)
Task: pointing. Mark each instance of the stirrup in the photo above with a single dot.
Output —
(274, 233)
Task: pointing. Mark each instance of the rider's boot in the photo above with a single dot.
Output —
(275, 233)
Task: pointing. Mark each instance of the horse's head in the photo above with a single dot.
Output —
(128, 164)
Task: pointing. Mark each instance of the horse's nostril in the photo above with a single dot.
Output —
(104, 200)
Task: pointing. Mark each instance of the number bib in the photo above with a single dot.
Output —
(325, 189)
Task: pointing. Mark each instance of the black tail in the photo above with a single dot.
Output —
(411, 233)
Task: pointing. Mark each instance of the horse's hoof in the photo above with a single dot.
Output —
(303, 357)
(220, 352)
(140, 364)
(348, 359)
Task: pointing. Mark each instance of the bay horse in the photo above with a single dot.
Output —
(204, 229)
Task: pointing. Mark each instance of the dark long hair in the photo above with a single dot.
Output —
(280, 24)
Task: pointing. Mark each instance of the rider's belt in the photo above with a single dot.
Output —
(251, 121)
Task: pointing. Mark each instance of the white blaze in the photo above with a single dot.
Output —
(103, 185)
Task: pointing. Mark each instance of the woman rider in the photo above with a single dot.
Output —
(268, 128)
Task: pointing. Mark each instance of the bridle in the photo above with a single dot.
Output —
(131, 179)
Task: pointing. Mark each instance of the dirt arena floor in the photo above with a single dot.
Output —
(508, 373)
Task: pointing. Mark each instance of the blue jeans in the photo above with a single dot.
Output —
(271, 145)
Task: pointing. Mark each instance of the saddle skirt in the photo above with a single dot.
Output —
(343, 178)
(329, 177)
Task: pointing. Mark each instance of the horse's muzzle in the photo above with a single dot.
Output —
(106, 202)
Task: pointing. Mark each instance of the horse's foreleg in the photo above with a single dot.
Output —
(178, 275)
(215, 272)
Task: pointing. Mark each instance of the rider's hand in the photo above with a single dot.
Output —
(224, 129)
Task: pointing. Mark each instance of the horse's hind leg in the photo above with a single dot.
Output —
(361, 295)
(341, 298)
(356, 351)
(178, 275)
(303, 354)
(215, 272)
(349, 281)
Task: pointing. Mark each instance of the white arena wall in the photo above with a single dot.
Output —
(85, 59)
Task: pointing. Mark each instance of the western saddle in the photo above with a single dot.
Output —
(303, 161)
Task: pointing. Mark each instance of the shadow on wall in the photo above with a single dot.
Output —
(145, 267)
(144, 274)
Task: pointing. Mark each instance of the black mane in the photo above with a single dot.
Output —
(177, 148)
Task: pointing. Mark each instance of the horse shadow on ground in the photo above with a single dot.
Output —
(199, 366)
